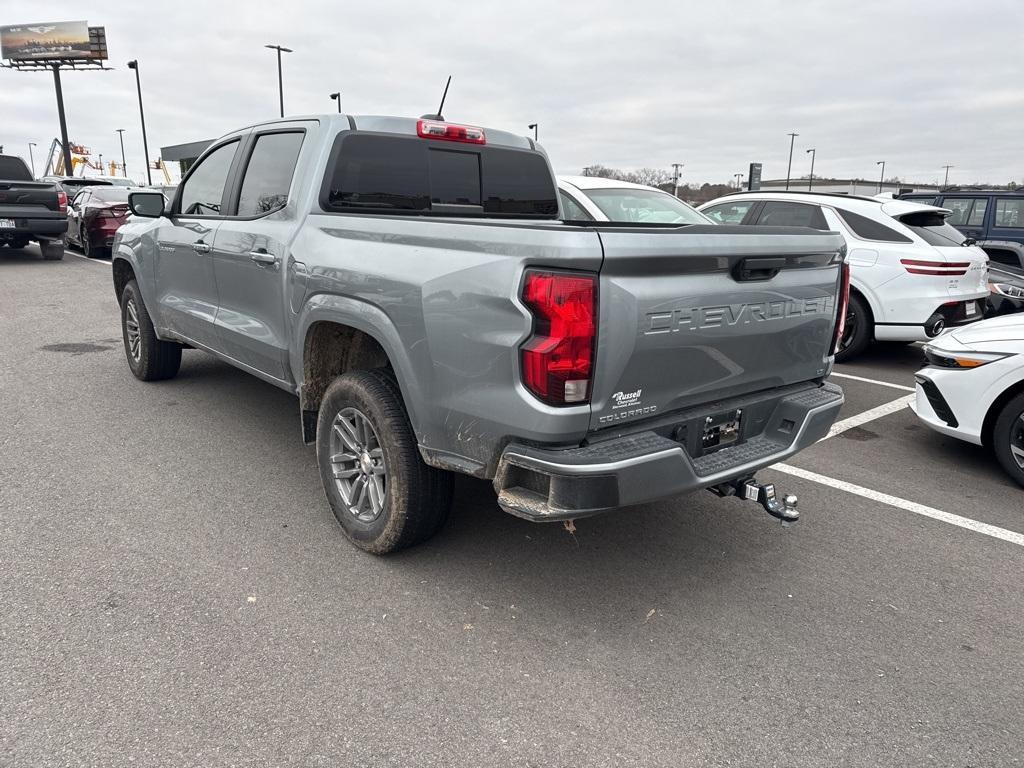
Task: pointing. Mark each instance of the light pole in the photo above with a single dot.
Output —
(134, 64)
(280, 80)
(534, 126)
(334, 96)
(738, 177)
(945, 182)
(124, 165)
(789, 168)
(881, 177)
(675, 178)
(32, 159)
(810, 179)
(101, 165)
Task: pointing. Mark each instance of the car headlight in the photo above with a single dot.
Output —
(942, 358)
(1006, 289)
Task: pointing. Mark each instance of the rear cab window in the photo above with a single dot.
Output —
(396, 174)
(14, 169)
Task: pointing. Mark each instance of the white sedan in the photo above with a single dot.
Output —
(594, 198)
(973, 388)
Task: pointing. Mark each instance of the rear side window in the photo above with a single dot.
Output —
(268, 176)
(398, 174)
(933, 228)
(13, 169)
(961, 209)
(867, 229)
(784, 214)
(1009, 213)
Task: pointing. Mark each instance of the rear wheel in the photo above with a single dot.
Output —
(380, 490)
(149, 358)
(1008, 438)
(858, 331)
(87, 248)
(52, 250)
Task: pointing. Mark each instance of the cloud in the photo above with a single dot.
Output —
(713, 85)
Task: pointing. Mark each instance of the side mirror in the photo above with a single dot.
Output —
(147, 204)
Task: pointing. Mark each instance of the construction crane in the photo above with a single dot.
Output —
(55, 159)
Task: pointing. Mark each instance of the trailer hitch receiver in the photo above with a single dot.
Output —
(765, 495)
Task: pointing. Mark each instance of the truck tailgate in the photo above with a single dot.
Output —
(29, 198)
(697, 314)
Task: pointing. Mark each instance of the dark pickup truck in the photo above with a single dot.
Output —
(31, 210)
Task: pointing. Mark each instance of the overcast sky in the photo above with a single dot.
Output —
(714, 85)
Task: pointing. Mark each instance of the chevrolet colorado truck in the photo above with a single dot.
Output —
(411, 281)
(31, 210)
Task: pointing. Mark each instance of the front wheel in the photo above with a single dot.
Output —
(380, 490)
(858, 331)
(1008, 438)
(149, 358)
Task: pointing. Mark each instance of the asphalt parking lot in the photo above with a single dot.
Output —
(175, 590)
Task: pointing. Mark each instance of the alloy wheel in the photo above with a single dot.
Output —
(849, 330)
(131, 324)
(1017, 440)
(357, 463)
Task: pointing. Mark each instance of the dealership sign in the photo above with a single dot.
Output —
(55, 40)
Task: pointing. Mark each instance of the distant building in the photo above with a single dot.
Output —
(847, 186)
(184, 154)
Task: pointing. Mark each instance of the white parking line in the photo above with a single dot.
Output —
(86, 258)
(870, 415)
(910, 506)
(873, 381)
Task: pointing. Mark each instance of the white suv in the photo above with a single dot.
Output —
(912, 275)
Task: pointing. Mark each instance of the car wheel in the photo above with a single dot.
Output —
(149, 358)
(52, 250)
(858, 331)
(380, 490)
(1008, 438)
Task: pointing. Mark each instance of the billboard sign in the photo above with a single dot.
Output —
(754, 177)
(55, 40)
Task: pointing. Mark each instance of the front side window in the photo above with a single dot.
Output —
(1009, 213)
(643, 206)
(868, 229)
(729, 213)
(785, 214)
(268, 176)
(202, 191)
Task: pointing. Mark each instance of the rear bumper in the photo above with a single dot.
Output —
(32, 228)
(542, 484)
(951, 315)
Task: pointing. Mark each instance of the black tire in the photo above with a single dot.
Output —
(1007, 435)
(87, 249)
(154, 360)
(416, 498)
(52, 250)
(860, 326)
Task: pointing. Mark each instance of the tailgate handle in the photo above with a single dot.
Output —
(759, 268)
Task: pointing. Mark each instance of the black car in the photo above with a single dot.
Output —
(1006, 290)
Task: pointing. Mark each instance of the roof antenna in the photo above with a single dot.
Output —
(444, 96)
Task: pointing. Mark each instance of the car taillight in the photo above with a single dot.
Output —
(432, 129)
(558, 359)
(953, 268)
(62, 201)
(843, 306)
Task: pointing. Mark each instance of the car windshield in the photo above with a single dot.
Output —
(112, 194)
(643, 206)
(932, 228)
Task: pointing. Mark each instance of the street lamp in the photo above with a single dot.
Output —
(101, 165)
(792, 138)
(335, 96)
(675, 178)
(134, 64)
(881, 177)
(739, 178)
(124, 165)
(810, 179)
(32, 159)
(534, 126)
(280, 81)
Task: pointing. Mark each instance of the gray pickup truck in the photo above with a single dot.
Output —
(411, 281)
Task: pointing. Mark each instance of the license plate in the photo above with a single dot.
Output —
(972, 308)
(6, 223)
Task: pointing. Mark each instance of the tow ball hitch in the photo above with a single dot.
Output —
(751, 490)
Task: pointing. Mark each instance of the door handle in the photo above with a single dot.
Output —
(201, 247)
(262, 257)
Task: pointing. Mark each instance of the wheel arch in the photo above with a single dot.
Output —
(123, 273)
(988, 425)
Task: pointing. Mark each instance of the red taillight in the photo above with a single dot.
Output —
(953, 268)
(843, 306)
(432, 129)
(62, 201)
(558, 359)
